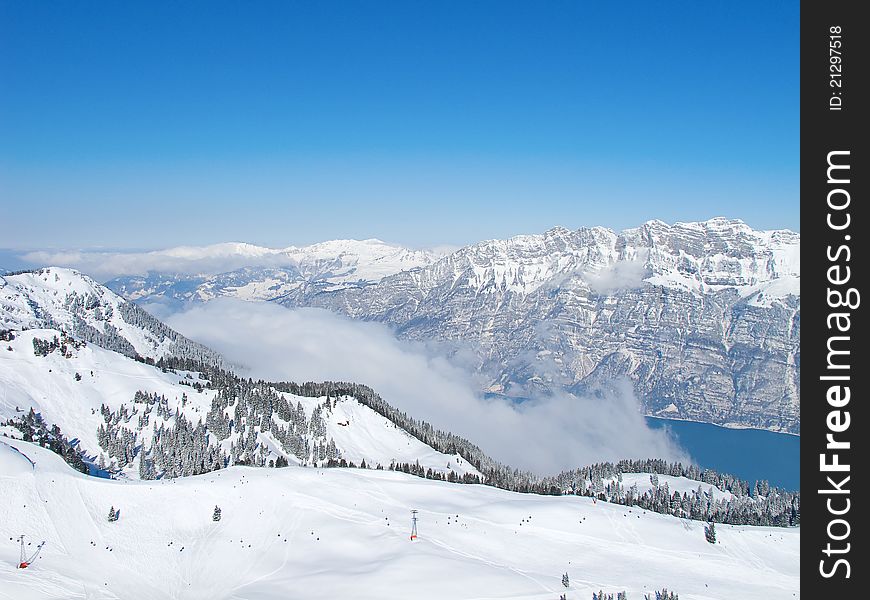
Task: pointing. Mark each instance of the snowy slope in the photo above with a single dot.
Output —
(49, 385)
(65, 299)
(681, 485)
(352, 260)
(343, 533)
(362, 434)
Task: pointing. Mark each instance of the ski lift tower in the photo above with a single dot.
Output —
(413, 525)
(25, 561)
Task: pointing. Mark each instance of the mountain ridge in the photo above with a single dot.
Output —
(69, 301)
(703, 318)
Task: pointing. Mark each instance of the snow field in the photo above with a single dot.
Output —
(675, 484)
(343, 533)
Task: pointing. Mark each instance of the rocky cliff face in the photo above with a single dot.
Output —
(703, 318)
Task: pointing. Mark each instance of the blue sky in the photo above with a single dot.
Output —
(154, 124)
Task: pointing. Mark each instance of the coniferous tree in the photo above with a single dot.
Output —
(34, 429)
(710, 532)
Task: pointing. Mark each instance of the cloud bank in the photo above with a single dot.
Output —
(185, 260)
(544, 434)
(222, 258)
(624, 274)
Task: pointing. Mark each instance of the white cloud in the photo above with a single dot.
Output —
(185, 260)
(545, 434)
(621, 275)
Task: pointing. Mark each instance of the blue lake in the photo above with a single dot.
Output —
(749, 454)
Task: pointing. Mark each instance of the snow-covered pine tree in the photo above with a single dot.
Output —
(113, 516)
(146, 468)
(710, 532)
(565, 581)
(216, 516)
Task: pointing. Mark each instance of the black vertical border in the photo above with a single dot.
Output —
(822, 131)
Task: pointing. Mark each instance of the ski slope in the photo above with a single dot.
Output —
(343, 533)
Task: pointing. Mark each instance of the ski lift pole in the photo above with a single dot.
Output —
(25, 561)
(413, 525)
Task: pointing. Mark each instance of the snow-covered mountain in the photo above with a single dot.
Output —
(64, 299)
(181, 275)
(344, 533)
(115, 406)
(703, 318)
